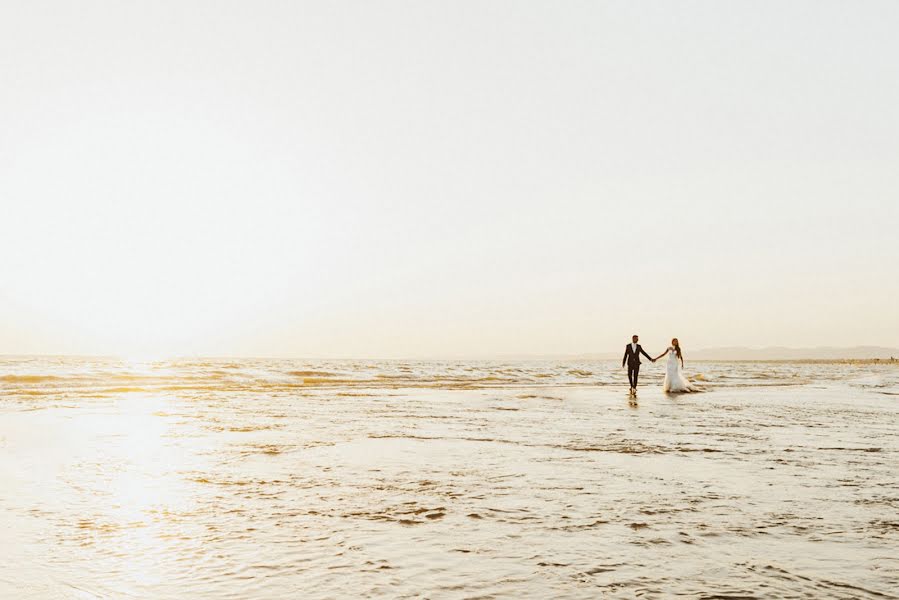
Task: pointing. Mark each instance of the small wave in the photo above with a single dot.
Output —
(329, 380)
(28, 392)
(122, 390)
(619, 448)
(537, 397)
(580, 373)
(29, 378)
(312, 373)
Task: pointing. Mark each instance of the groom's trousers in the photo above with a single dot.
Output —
(632, 372)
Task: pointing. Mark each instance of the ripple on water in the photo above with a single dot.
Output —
(516, 480)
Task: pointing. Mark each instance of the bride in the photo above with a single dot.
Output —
(675, 381)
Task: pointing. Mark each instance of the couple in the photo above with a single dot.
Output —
(675, 381)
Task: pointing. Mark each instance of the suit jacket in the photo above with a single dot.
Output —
(633, 358)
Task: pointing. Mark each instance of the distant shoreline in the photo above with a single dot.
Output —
(823, 361)
(785, 361)
(894, 360)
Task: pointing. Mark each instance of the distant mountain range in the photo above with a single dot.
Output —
(745, 353)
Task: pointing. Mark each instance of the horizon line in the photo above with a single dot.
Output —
(597, 355)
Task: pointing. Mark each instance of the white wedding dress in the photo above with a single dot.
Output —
(675, 381)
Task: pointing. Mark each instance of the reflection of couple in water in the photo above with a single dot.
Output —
(675, 381)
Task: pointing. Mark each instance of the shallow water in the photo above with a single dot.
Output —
(271, 479)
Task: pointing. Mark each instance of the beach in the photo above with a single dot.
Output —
(261, 478)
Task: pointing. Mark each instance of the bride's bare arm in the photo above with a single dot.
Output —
(660, 355)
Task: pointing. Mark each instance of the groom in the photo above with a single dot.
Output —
(632, 357)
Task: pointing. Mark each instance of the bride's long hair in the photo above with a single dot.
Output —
(676, 345)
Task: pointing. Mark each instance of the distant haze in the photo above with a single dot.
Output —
(769, 353)
(419, 178)
(774, 353)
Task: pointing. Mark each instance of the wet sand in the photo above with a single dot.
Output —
(518, 491)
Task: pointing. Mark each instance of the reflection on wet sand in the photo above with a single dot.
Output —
(241, 484)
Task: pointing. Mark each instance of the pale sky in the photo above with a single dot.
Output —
(415, 179)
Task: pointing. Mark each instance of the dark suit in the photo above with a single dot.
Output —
(632, 359)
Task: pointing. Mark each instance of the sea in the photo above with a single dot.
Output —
(314, 479)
